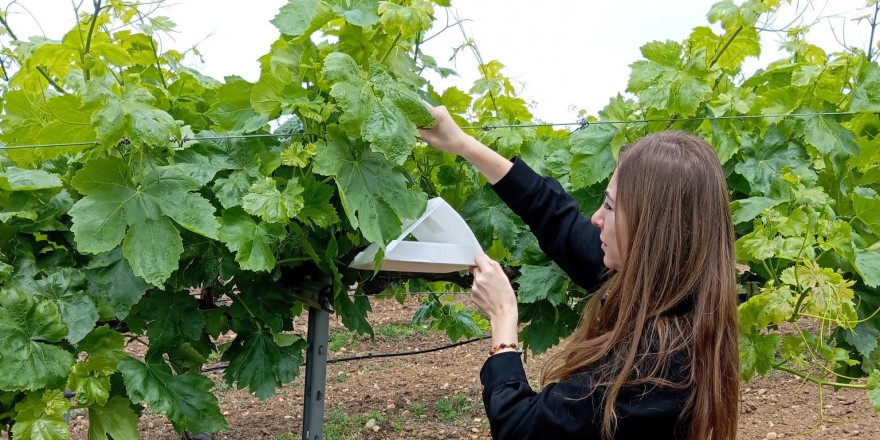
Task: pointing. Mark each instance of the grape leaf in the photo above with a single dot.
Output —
(66, 288)
(747, 209)
(593, 160)
(115, 419)
(258, 363)
(357, 12)
(296, 16)
(317, 209)
(866, 93)
(128, 113)
(90, 378)
(172, 316)
(264, 200)
(41, 417)
(251, 241)
(663, 83)
(185, 399)
(115, 203)
(27, 326)
(828, 136)
(767, 160)
(111, 279)
(487, 215)
(873, 385)
(381, 110)
(547, 325)
(542, 282)
(17, 179)
(232, 111)
(375, 195)
(757, 352)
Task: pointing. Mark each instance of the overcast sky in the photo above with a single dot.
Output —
(566, 54)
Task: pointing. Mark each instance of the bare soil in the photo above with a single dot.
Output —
(437, 396)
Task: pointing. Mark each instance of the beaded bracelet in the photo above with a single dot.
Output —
(503, 346)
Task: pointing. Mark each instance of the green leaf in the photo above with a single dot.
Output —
(252, 242)
(231, 190)
(186, 399)
(17, 179)
(258, 363)
(868, 265)
(317, 208)
(114, 202)
(547, 325)
(593, 159)
(66, 288)
(264, 200)
(232, 110)
(129, 113)
(767, 160)
(115, 419)
(111, 279)
(542, 282)
(663, 84)
(866, 93)
(487, 215)
(296, 17)
(357, 12)
(866, 203)
(41, 417)
(153, 248)
(381, 110)
(374, 194)
(90, 378)
(828, 136)
(873, 385)
(27, 326)
(747, 209)
(757, 353)
(172, 316)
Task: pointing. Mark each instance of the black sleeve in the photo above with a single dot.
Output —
(560, 411)
(568, 237)
(572, 409)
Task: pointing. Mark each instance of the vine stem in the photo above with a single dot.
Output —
(819, 381)
(86, 72)
(873, 28)
(390, 48)
(726, 45)
(6, 25)
(52, 83)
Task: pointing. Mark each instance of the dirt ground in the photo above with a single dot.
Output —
(437, 395)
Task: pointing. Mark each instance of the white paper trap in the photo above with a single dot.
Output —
(444, 243)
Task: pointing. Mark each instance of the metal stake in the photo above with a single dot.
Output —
(316, 373)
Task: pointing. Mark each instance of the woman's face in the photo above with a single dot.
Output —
(604, 219)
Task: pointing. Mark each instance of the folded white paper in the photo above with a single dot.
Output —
(445, 244)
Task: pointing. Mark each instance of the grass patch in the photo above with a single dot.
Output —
(400, 331)
(418, 410)
(451, 409)
(342, 339)
(339, 378)
(340, 426)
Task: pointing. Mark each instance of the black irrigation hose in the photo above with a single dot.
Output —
(375, 356)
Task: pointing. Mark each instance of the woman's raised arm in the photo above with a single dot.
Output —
(448, 136)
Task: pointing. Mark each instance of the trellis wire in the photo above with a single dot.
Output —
(581, 124)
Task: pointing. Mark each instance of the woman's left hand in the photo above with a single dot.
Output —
(494, 295)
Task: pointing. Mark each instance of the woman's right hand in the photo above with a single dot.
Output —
(445, 135)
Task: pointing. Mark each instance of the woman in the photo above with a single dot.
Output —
(659, 337)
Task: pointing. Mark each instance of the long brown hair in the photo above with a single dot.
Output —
(674, 295)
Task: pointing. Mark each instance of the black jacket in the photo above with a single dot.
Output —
(570, 409)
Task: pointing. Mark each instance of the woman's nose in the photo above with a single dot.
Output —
(596, 218)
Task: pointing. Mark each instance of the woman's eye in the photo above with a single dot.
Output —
(608, 207)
